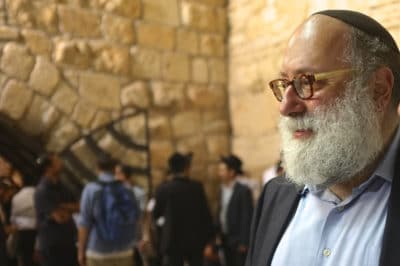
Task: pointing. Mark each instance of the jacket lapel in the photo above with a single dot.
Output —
(279, 207)
(391, 236)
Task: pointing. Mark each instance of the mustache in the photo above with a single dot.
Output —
(296, 123)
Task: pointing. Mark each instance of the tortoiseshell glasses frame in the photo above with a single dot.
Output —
(303, 83)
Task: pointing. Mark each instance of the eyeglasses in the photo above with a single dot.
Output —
(303, 84)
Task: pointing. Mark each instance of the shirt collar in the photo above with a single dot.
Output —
(106, 177)
(385, 168)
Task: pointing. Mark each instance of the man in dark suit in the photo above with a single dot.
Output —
(181, 212)
(234, 212)
(339, 202)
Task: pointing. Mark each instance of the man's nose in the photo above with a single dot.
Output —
(291, 104)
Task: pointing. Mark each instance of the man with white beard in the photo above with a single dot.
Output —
(339, 201)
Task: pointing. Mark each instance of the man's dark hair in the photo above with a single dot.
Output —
(233, 163)
(126, 170)
(43, 162)
(179, 162)
(106, 164)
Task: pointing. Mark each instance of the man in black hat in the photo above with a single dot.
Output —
(339, 201)
(234, 211)
(181, 212)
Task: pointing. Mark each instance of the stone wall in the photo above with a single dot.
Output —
(70, 66)
(259, 30)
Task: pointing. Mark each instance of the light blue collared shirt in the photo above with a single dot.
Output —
(326, 231)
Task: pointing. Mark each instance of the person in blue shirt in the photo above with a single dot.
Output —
(338, 202)
(95, 246)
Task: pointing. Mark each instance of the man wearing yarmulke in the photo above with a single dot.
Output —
(339, 200)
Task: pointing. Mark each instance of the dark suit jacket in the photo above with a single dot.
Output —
(238, 217)
(278, 204)
(188, 223)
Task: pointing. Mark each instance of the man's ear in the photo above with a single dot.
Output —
(382, 84)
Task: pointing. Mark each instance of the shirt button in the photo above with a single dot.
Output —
(327, 252)
(341, 208)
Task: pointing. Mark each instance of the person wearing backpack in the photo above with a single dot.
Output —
(107, 221)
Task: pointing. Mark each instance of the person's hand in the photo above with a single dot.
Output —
(242, 249)
(208, 251)
(82, 258)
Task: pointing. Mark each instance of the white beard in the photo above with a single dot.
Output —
(346, 139)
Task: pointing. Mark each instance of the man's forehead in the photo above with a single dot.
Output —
(316, 45)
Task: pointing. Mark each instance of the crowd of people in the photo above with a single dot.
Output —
(114, 223)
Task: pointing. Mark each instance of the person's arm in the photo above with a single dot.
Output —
(83, 235)
(246, 215)
(85, 223)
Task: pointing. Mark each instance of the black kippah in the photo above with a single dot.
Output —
(363, 23)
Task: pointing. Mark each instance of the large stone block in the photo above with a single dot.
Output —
(83, 114)
(16, 61)
(199, 17)
(197, 145)
(45, 16)
(8, 33)
(212, 44)
(110, 57)
(65, 98)
(40, 117)
(72, 53)
(186, 123)
(101, 118)
(188, 41)
(156, 36)
(207, 96)
(135, 158)
(37, 42)
(127, 8)
(15, 99)
(62, 135)
(136, 94)
(84, 154)
(118, 29)
(79, 22)
(199, 70)
(218, 73)
(176, 67)
(101, 90)
(159, 126)
(215, 3)
(112, 146)
(160, 152)
(164, 12)
(44, 76)
(258, 152)
(253, 114)
(135, 128)
(216, 122)
(217, 146)
(166, 94)
(146, 63)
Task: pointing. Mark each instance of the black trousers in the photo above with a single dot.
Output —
(59, 256)
(25, 247)
(193, 258)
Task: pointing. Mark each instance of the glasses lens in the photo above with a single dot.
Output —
(278, 88)
(303, 87)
